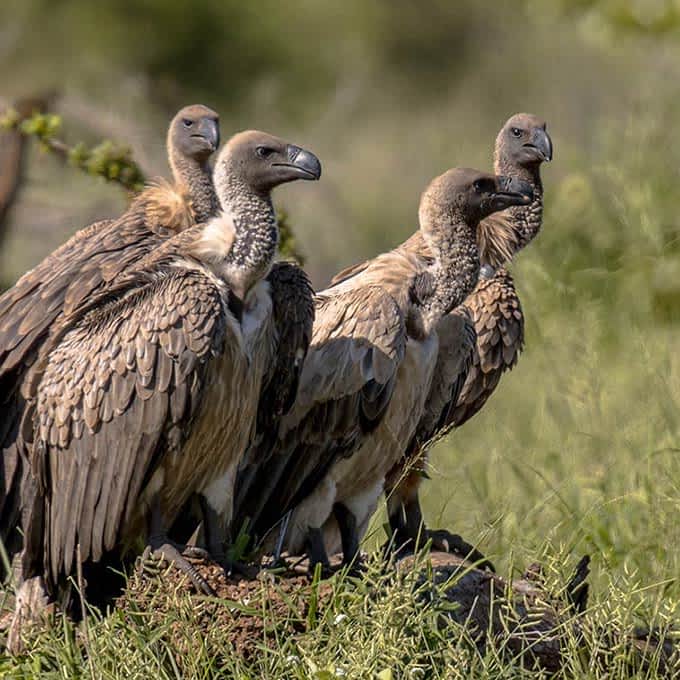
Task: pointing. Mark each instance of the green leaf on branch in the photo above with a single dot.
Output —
(109, 160)
(10, 119)
(44, 126)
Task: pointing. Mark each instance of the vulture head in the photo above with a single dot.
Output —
(262, 162)
(473, 195)
(523, 141)
(195, 132)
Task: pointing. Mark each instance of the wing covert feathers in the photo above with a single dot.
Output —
(499, 322)
(116, 384)
(347, 381)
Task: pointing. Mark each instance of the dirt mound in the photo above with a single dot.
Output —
(247, 612)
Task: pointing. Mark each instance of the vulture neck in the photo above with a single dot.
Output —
(526, 220)
(195, 179)
(256, 234)
(453, 244)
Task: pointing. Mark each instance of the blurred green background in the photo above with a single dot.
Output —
(578, 449)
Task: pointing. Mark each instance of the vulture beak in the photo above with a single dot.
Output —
(542, 144)
(510, 191)
(209, 130)
(303, 163)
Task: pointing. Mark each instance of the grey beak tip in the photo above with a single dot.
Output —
(544, 144)
(211, 133)
(305, 160)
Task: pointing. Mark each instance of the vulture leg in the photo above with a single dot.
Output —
(214, 532)
(349, 536)
(160, 547)
(170, 552)
(410, 534)
(316, 551)
(406, 521)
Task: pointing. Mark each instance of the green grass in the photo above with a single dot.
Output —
(378, 627)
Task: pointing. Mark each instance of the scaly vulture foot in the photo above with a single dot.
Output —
(168, 551)
(160, 547)
(236, 568)
(402, 544)
(357, 566)
(445, 541)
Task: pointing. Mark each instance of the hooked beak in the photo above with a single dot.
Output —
(542, 144)
(511, 191)
(303, 163)
(209, 130)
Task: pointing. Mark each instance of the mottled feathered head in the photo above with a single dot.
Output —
(261, 162)
(471, 195)
(194, 133)
(523, 141)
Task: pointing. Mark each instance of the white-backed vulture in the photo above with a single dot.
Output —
(371, 330)
(492, 316)
(89, 261)
(148, 394)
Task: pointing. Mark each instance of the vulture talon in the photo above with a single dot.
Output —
(358, 566)
(195, 553)
(444, 540)
(169, 552)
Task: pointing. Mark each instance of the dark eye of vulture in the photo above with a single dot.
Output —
(187, 122)
(264, 151)
(481, 186)
(516, 132)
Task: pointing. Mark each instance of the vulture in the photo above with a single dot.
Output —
(93, 258)
(149, 392)
(373, 333)
(480, 340)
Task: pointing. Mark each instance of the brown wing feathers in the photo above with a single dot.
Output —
(348, 376)
(293, 304)
(497, 315)
(114, 385)
(94, 257)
